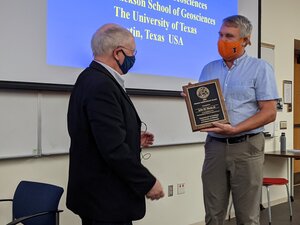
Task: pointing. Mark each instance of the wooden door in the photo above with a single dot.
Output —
(297, 103)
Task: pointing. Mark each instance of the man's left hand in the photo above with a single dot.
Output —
(147, 139)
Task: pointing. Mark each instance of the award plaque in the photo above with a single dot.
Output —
(205, 104)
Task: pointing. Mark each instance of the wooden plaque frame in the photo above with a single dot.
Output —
(205, 104)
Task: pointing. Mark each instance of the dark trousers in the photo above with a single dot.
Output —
(86, 221)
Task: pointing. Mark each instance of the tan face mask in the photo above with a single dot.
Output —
(229, 50)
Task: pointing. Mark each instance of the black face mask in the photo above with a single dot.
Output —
(127, 64)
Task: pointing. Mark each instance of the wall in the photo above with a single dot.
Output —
(280, 28)
(280, 22)
(171, 165)
(181, 163)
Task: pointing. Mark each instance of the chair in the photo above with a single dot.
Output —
(35, 204)
(267, 182)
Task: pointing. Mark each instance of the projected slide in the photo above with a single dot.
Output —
(173, 37)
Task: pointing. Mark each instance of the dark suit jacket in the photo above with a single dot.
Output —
(107, 181)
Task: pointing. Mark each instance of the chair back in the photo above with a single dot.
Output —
(33, 197)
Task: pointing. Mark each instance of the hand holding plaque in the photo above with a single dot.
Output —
(205, 104)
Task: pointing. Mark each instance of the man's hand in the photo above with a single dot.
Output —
(147, 139)
(156, 191)
(182, 93)
(221, 128)
(266, 114)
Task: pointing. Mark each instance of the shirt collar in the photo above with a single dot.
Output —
(237, 61)
(115, 74)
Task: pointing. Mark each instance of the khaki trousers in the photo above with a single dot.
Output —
(237, 168)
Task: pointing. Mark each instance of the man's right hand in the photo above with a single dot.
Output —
(156, 191)
(182, 93)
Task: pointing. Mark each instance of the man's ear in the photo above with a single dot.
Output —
(247, 41)
(116, 54)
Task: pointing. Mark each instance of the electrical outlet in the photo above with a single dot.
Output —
(170, 190)
(180, 188)
(283, 125)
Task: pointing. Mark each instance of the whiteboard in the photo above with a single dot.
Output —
(19, 124)
(54, 133)
(166, 117)
(34, 123)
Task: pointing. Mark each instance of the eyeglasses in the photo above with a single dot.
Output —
(143, 130)
(133, 50)
(143, 127)
(147, 155)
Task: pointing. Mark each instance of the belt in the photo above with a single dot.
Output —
(234, 140)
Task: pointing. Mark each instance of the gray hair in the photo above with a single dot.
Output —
(108, 37)
(240, 22)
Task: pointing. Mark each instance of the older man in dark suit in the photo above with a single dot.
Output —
(107, 182)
